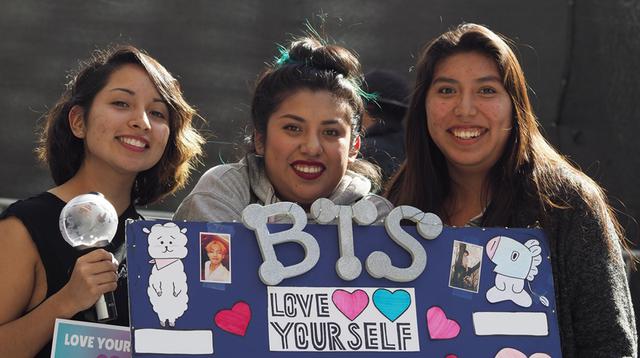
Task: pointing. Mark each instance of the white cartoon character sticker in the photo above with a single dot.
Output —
(515, 263)
(167, 283)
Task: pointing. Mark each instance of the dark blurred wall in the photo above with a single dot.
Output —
(598, 118)
(600, 110)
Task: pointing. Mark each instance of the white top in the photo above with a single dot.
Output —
(220, 274)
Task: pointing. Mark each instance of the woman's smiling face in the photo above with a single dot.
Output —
(127, 126)
(469, 112)
(308, 145)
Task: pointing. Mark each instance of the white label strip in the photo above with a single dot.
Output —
(510, 324)
(150, 340)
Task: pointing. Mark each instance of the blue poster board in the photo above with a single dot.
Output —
(445, 312)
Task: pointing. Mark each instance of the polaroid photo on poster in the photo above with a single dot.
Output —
(466, 264)
(215, 257)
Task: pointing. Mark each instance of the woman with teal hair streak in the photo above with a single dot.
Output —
(306, 114)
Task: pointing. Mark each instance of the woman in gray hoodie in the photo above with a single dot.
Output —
(306, 115)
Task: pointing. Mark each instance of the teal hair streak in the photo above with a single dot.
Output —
(369, 97)
(283, 59)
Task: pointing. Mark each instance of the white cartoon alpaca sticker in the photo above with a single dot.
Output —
(167, 283)
(515, 263)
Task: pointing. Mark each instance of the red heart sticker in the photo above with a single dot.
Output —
(236, 320)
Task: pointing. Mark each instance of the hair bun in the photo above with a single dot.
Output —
(314, 53)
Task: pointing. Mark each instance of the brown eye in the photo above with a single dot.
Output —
(120, 104)
(292, 128)
(488, 90)
(446, 90)
(158, 114)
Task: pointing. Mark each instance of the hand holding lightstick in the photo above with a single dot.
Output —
(90, 221)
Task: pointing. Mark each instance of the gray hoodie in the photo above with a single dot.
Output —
(225, 190)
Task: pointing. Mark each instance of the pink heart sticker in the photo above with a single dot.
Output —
(236, 320)
(440, 327)
(351, 304)
(514, 353)
(510, 353)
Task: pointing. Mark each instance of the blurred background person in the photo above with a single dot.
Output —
(383, 141)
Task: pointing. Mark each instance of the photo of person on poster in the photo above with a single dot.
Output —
(215, 258)
(466, 261)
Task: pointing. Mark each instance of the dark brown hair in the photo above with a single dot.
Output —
(63, 152)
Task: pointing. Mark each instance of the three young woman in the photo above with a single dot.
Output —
(306, 115)
(476, 156)
(121, 128)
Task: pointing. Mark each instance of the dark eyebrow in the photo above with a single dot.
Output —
(330, 121)
(132, 93)
(293, 116)
(444, 79)
(490, 78)
(302, 120)
(126, 90)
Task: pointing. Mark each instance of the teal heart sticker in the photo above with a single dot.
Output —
(391, 304)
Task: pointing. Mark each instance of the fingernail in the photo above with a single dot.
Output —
(113, 259)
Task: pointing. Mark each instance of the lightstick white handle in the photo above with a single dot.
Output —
(106, 308)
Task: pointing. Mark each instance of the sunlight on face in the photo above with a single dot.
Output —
(307, 146)
(469, 112)
(127, 128)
